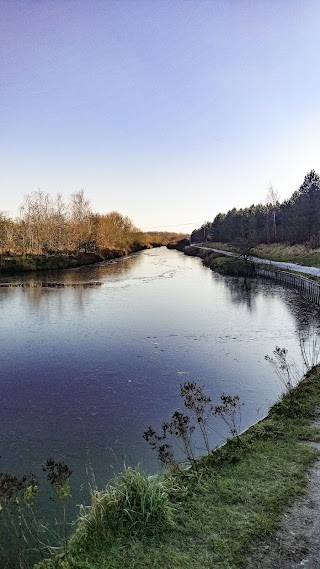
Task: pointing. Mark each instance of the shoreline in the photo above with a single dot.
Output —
(225, 509)
(42, 263)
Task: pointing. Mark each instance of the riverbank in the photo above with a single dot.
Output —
(220, 262)
(229, 260)
(279, 253)
(213, 518)
(13, 264)
(25, 263)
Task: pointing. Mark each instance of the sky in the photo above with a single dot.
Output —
(168, 111)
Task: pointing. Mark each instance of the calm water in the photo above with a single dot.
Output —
(85, 371)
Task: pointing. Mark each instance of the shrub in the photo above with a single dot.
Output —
(233, 266)
(133, 503)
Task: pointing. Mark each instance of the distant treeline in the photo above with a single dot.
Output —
(296, 220)
(51, 225)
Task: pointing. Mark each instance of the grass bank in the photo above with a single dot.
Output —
(225, 265)
(299, 254)
(183, 521)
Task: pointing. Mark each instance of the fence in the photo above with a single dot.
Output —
(308, 288)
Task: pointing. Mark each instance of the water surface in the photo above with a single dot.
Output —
(84, 371)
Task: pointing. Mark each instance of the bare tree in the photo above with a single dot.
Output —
(273, 201)
(4, 224)
(60, 226)
(80, 214)
(35, 212)
(51, 225)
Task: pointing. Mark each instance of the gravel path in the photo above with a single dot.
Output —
(297, 544)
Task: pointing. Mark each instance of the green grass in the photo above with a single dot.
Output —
(299, 254)
(215, 519)
(231, 266)
(133, 504)
(217, 245)
(221, 263)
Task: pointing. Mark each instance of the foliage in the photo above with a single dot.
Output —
(231, 266)
(230, 412)
(179, 431)
(58, 475)
(17, 519)
(20, 524)
(296, 220)
(13, 489)
(286, 370)
(52, 233)
(158, 238)
(199, 404)
(132, 504)
(52, 226)
(310, 348)
(179, 245)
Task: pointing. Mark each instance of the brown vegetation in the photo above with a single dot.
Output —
(52, 233)
(159, 238)
(49, 226)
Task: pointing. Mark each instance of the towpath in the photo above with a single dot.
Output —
(297, 543)
(315, 271)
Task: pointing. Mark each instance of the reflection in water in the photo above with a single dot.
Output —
(110, 271)
(84, 371)
(97, 271)
(306, 314)
(247, 290)
(242, 291)
(115, 269)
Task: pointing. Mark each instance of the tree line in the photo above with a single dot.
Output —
(51, 225)
(296, 220)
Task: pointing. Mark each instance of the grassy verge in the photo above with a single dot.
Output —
(224, 265)
(299, 254)
(213, 519)
(217, 245)
(230, 266)
(289, 253)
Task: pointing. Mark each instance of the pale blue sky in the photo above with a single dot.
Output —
(167, 111)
